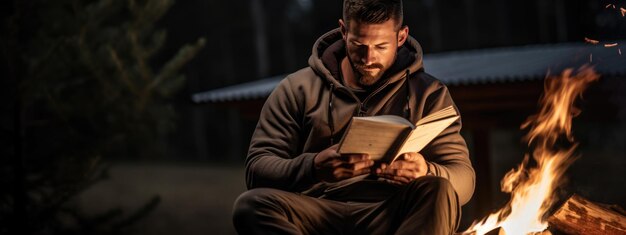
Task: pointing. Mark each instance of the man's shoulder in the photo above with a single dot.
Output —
(305, 74)
(425, 79)
(304, 77)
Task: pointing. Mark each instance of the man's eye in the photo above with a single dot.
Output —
(381, 48)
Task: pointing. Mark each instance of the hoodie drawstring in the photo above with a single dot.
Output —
(407, 107)
(331, 124)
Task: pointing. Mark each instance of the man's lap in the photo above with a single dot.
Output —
(298, 212)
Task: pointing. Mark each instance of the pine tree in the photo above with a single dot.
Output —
(81, 88)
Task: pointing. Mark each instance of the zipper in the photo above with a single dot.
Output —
(361, 105)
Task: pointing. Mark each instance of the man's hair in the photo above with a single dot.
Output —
(372, 11)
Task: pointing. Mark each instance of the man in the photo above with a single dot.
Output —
(299, 184)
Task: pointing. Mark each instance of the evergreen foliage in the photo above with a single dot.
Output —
(80, 88)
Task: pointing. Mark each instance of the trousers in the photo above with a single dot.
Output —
(427, 205)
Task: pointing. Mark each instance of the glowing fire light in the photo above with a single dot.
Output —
(623, 11)
(532, 188)
(610, 44)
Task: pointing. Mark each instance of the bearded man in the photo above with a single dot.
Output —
(299, 184)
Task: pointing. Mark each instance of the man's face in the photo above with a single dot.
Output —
(372, 48)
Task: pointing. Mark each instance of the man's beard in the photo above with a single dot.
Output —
(367, 78)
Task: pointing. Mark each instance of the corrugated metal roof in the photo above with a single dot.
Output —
(473, 67)
(521, 63)
(245, 91)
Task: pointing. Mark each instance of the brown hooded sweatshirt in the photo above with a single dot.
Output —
(311, 108)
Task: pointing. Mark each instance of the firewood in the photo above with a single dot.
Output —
(580, 216)
(500, 231)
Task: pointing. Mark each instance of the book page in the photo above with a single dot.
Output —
(441, 114)
(391, 119)
(423, 134)
(370, 137)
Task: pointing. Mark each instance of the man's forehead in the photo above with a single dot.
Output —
(372, 31)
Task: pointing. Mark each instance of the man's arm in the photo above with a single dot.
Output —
(273, 159)
(447, 154)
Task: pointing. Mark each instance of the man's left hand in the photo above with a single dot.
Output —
(408, 167)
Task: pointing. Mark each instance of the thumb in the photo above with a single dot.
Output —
(334, 147)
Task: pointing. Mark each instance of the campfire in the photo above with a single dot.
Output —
(533, 183)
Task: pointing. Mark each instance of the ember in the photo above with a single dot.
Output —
(610, 44)
(532, 188)
(588, 40)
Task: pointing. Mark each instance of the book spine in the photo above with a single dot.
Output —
(397, 145)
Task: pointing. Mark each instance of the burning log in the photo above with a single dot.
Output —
(580, 216)
(500, 231)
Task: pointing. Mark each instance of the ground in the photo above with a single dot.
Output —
(195, 199)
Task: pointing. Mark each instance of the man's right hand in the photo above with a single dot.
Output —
(331, 166)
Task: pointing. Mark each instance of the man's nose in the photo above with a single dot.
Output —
(368, 57)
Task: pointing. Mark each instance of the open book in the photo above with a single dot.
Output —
(386, 137)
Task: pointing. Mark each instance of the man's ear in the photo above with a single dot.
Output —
(343, 29)
(403, 35)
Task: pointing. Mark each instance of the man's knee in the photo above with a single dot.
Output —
(433, 185)
(248, 204)
(437, 196)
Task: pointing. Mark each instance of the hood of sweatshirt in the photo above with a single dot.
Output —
(330, 48)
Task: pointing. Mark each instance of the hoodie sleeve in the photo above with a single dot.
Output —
(273, 159)
(448, 153)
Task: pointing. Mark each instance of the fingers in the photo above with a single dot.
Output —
(354, 158)
(397, 176)
(356, 168)
(409, 167)
(406, 173)
(403, 164)
(346, 166)
(344, 173)
(412, 156)
(359, 165)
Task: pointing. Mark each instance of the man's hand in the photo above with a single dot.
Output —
(330, 166)
(410, 166)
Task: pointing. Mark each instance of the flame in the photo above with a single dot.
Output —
(623, 11)
(610, 44)
(532, 188)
